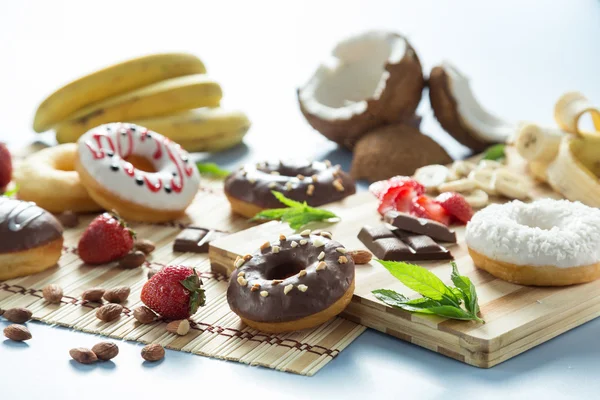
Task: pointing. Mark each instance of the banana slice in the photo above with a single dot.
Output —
(477, 198)
(535, 143)
(460, 185)
(510, 184)
(462, 168)
(431, 176)
(539, 170)
(484, 180)
(489, 164)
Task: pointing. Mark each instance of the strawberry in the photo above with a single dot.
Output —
(175, 292)
(106, 239)
(396, 193)
(5, 167)
(456, 205)
(426, 207)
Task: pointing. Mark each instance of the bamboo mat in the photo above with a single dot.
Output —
(217, 332)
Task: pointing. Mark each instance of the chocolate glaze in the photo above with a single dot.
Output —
(325, 286)
(254, 183)
(24, 226)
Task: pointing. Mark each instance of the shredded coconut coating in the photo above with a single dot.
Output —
(546, 232)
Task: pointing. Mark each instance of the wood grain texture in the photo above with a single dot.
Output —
(517, 317)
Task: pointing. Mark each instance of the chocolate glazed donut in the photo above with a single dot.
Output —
(249, 188)
(294, 283)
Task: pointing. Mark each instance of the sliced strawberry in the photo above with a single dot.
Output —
(456, 205)
(380, 188)
(396, 193)
(426, 207)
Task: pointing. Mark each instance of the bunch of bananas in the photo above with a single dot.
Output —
(167, 93)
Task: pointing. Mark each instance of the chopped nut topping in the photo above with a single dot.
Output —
(327, 163)
(342, 260)
(242, 281)
(272, 185)
(302, 287)
(289, 186)
(239, 262)
(341, 250)
(294, 243)
(275, 173)
(337, 184)
(282, 237)
(241, 273)
(310, 190)
(303, 242)
(276, 249)
(276, 281)
(265, 245)
(314, 178)
(321, 256)
(318, 242)
(300, 176)
(301, 273)
(252, 180)
(287, 289)
(321, 265)
(255, 287)
(264, 293)
(244, 172)
(326, 234)
(305, 232)
(247, 257)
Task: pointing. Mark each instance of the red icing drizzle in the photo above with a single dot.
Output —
(158, 153)
(128, 168)
(154, 187)
(177, 187)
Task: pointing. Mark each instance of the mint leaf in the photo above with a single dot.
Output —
(212, 169)
(398, 300)
(274, 213)
(288, 202)
(421, 281)
(11, 192)
(453, 312)
(495, 152)
(464, 284)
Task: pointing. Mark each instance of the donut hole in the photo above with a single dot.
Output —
(141, 163)
(65, 163)
(284, 270)
(538, 221)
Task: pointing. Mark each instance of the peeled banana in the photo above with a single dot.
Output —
(162, 98)
(570, 107)
(113, 81)
(536, 143)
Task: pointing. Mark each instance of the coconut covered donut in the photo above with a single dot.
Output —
(249, 188)
(544, 243)
(138, 173)
(293, 283)
(49, 179)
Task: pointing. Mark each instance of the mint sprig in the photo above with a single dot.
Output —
(11, 192)
(495, 152)
(212, 169)
(438, 298)
(296, 214)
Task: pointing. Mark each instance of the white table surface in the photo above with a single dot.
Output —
(521, 55)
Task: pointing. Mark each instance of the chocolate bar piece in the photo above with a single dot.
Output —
(422, 226)
(401, 245)
(194, 239)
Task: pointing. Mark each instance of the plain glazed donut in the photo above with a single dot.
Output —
(32, 239)
(140, 174)
(293, 283)
(48, 178)
(544, 243)
(249, 188)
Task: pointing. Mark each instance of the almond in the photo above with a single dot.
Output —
(181, 327)
(94, 294)
(17, 333)
(52, 293)
(105, 350)
(153, 270)
(117, 295)
(144, 315)
(132, 260)
(68, 219)
(18, 315)
(153, 352)
(109, 312)
(83, 355)
(145, 246)
(360, 256)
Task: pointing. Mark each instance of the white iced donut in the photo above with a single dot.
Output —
(139, 173)
(543, 243)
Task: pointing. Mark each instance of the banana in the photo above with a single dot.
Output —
(484, 180)
(575, 171)
(535, 143)
(112, 81)
(570, 107)
(510, 184)
(539, 170)
(460, 185)
(462, 168)
(489, 164)
(162, 98)
(476, 198)
(431, 176)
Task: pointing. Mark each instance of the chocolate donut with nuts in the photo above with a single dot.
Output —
(294, 283)
(249, 188)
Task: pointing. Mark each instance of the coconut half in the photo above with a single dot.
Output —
(370, 80)
(459, 112)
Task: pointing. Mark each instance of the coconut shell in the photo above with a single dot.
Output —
(395, 150)
(397, 102)
(446, 111)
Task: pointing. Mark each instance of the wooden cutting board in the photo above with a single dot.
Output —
(517, 317)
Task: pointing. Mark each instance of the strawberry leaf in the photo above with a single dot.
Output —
(193, 283)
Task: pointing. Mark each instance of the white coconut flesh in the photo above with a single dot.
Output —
(488, 127)
(355, 73)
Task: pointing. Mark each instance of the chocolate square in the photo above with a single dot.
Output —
(195, 239)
